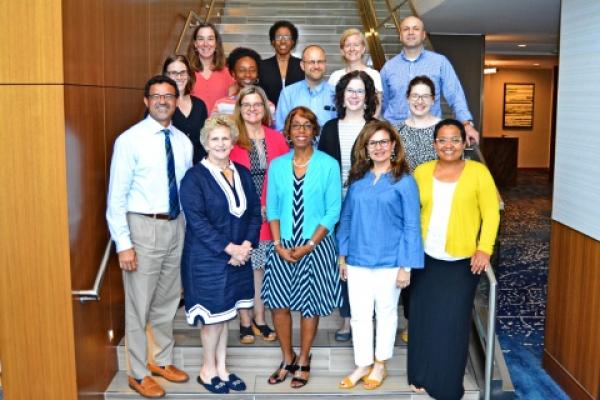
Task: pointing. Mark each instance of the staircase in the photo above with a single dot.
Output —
(254, 363)
(247, 22)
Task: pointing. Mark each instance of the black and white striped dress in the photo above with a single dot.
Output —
(310, 286)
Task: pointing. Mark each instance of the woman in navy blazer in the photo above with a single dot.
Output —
(283, 68)
(303, 205)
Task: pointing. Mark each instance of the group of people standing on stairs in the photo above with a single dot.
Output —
(298, 194)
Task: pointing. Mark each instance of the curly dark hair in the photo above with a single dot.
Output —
(362, 163)
(241, 52)
(371, 100)
(284, 24)
(420, 80)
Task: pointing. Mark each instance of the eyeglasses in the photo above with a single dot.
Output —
(384, 143)
(355, 92)
(314, 62)
(283, 37)
(177, 74)
(307, 126)
(252, 106)
(456, 140)
(166, 97)
(423, 97)
(348, 46)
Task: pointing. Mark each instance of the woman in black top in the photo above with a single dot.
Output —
(282, 69)
(191, 112)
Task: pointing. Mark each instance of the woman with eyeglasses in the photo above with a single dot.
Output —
(356, 103)
(283, 68)
(256, 146)
(379, 241)
(352, 47)
(417, 137)
(207, 59)
(303, 207)
(459, 223)
(191, 112)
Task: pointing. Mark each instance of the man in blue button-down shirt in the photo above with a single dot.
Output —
(145, 222)
(413, 61)
(312, 92)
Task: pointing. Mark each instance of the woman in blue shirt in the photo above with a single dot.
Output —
(304, 199)
(379, 240)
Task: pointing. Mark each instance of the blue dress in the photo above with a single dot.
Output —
(217, 214)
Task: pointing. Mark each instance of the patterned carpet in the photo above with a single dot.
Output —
(522, 275)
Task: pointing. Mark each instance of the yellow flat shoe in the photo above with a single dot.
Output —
(347, 383)
(372, 384)
(404, 336)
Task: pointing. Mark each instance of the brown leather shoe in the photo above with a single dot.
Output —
(147, 387)
(170, 373)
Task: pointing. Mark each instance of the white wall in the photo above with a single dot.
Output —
(576, 201)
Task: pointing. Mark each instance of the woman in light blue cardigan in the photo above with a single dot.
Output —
(303, 205)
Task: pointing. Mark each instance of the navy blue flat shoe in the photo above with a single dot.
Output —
(235, 383)
(343, 336)
(216, 385)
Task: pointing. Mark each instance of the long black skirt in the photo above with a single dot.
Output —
(441, 301)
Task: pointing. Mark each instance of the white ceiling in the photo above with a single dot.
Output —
(505, 23)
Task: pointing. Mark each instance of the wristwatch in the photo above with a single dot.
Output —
(468, 122)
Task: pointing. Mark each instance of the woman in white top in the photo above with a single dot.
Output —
(352, 47)
(355, 102)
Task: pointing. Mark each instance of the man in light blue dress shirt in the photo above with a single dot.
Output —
(413, 61)
(143, 213)
(313, 92)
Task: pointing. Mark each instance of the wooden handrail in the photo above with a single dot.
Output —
(192, 21)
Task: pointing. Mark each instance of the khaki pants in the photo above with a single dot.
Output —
(152, 292)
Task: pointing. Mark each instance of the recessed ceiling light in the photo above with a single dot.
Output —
(536, 64)
(522, 45)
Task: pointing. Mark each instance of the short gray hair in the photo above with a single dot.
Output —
(216, 121)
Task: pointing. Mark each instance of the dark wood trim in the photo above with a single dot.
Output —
(568, 383)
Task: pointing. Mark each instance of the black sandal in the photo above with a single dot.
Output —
(264, 331)
(290, 368)
(246, 335)
(298, 382)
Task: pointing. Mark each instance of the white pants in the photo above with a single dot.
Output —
(373, 289)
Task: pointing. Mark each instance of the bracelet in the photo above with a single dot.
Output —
(467, 123)
(312, 243)
(276, 243)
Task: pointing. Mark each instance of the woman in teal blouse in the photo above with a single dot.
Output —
(304, 199)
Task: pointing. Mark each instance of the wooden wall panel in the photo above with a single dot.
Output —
(36, 328)
(31, 45)
(83, 41)
(87, 181)
(572, 335)
(126, 35)
(167, 19)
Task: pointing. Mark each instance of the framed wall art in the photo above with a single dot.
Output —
(518, 105)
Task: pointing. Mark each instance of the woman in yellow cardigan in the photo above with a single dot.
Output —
(459, 222)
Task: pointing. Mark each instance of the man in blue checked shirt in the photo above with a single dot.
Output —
(313, 92)
(413, 61)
